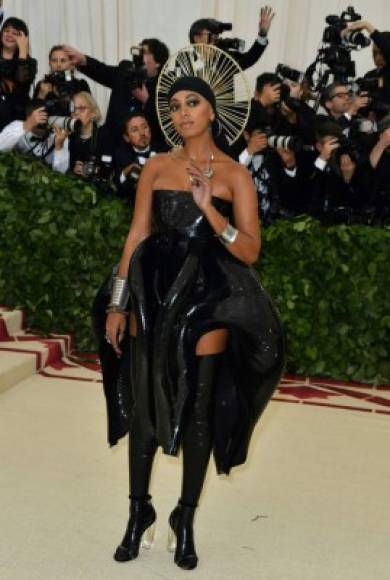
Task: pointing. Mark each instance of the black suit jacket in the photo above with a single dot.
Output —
(247, 59)
(124, 156)
(121, 101)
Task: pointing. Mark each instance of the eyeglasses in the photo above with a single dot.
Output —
(342, 95)
(80, 108)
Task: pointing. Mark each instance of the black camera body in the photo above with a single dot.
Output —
(99, 171)
(134, 174)
(336, 54)
(229, 45)
(63, 81)
(285, 72)
(292, 74)
(347, 145)
(217, 27)
(336, 24)
(133, 72)
(57, 106)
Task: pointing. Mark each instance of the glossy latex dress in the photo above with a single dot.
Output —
(184, 283)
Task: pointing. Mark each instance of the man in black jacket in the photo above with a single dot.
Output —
(125, 97)
(135, 148)
(381, 56)
(205, 31)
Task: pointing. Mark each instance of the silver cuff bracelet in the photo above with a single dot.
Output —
(228, 235)
(120, 293)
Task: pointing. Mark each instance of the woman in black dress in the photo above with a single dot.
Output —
(206, 345)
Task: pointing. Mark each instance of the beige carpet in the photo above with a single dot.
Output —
(312, 503)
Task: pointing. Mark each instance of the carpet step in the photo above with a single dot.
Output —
(15, 367)
(11, 322)
(23, 353)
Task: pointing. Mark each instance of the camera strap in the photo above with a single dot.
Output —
(43, 154)
(93, 142)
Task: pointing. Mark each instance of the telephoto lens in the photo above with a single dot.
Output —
(68, 123)
(289, 142)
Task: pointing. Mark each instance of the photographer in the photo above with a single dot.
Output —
(15, 130)
(86, 145)
(207, 31)
(17, 70)
(341, 184)
(342, 105)
(135, 149)
(299, 117)
(133, 85)
(380, 163)
(60, 82)
(34, 136)
(381, 56)
(274, 169)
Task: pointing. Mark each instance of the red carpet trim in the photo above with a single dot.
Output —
(58, 360)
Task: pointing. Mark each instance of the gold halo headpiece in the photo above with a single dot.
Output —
(224, 76)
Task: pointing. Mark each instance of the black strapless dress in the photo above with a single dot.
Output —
(184, 283)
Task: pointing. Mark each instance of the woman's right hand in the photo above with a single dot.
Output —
(115, 330)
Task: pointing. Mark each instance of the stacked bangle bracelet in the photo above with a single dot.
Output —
(119, 296)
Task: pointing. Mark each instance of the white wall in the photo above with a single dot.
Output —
(107, 28)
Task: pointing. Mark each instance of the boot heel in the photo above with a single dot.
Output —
(171, 545)
(148, 537)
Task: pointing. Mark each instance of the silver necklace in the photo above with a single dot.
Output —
(209, 172)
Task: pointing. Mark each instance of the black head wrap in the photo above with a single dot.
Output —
(196, 85)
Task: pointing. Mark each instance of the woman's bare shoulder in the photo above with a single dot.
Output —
(233, 168)
(160, 158)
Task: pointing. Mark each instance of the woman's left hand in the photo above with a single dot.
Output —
(200, 186)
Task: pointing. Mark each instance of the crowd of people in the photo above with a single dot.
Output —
(324, 153)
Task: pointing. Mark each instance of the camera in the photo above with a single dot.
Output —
(56, 118)
(231, 44)
(67, 123)
(134, 173)
(289, 142)
(99, 171)
(227, 44)
(217, 27)
(336, 54)
(326, 127)
(132, 72)
(373, 86)
(63, 81)
(285, 72)
(57, 106)
(332, 33)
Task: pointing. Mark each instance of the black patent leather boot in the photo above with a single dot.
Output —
(181, 538)
(139, 529)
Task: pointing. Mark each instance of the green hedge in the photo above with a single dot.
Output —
(59, 239)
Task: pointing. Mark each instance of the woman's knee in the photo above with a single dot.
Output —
(212, 342)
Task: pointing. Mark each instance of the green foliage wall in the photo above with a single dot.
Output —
(59, 240)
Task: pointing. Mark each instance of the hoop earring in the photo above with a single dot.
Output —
(218, 126)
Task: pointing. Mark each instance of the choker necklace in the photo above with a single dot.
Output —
(209, 171)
